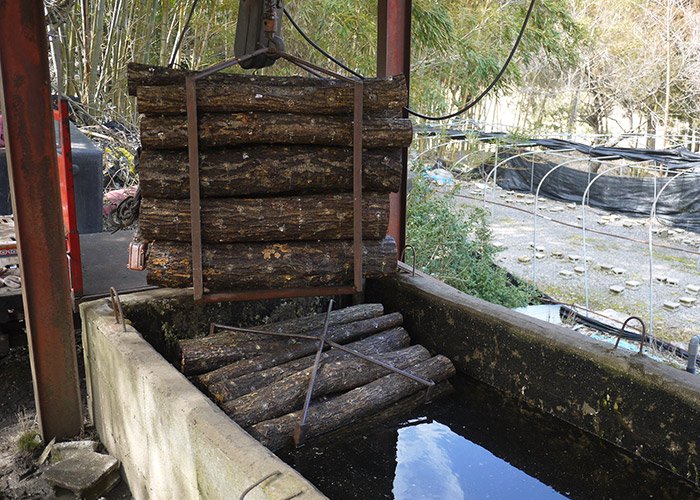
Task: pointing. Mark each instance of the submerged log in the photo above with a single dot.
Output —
(236, 266)
(398, 410)
(281, 95)
(215, 130)
(226, 390)
(289, 218)
(340, 334)
(288, 394)
(208, 353)
(265, 170)
(357, 403)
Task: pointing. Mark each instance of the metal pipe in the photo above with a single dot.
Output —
(537, 197)
(586, 195)
(33, 169)
(510, 158)
(652, 218)
(693, 354)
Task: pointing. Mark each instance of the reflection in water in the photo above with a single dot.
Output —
(476, 444)
(432, 462)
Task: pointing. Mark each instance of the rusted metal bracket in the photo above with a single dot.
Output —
(195, 195)
(644, 332)
(117, 307)
(258, 483)
(413, 253)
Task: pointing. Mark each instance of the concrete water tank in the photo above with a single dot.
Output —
(87, 175)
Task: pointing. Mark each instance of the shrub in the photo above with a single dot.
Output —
(454, 245)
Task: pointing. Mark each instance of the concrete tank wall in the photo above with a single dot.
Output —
(172, 441)
(649, 409)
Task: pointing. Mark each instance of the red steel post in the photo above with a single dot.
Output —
(65, 176)
(394, 58)
(33, 171)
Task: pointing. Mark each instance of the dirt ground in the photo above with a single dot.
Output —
(558, 259)
(20, 478)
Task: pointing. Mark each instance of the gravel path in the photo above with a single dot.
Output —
(612, 262)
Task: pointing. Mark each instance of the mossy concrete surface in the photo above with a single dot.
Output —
(172, 441)
(649, 409)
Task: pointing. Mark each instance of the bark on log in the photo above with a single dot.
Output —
(208, 353)
(289, 218)
(398, 410)
(264, 170)
(240, 266)
(377, 90)
(288, 394)
(281, 95)
(340, 334)
(229, 389)
(357, 403)
(217, 130)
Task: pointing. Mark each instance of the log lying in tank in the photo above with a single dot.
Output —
(279, 95)
(208, 353)
(288, 218)
(267, 170)
(398, 410)
(232, 388)
(221, 130)
(334, 413)
(288, 394)
(340, 334)
(240, 266)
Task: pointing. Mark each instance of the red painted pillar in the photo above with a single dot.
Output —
(394, 58)
(33, 171)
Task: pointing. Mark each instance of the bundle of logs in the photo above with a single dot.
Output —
(275, 177)
(261, 381)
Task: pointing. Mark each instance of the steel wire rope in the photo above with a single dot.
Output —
(491, 85)
(317, 47)
(181, 35)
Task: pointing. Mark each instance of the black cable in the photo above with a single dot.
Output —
(488, 89)
(180, 37)
(315, 46)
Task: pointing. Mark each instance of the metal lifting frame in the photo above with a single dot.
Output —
(195, 197)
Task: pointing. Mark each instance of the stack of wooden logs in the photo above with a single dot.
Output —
(276, 177)
(261, 381)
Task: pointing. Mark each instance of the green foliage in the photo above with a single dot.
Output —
(29, 442)
(454, 245)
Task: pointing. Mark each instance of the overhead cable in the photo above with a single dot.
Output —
(318, 48)
(490, 87)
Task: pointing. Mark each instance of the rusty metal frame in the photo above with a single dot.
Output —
(33, 169)
(394, 58)
(195, 195)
